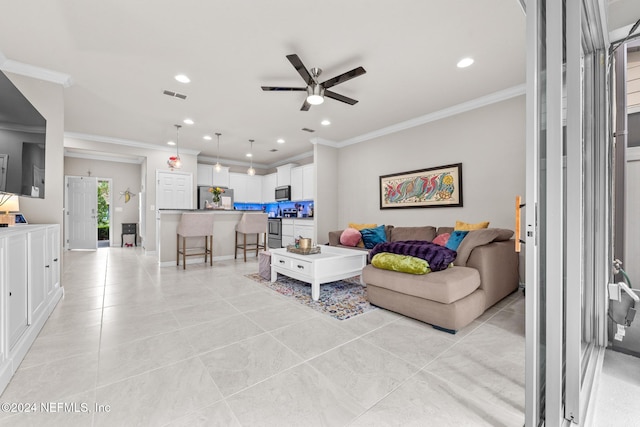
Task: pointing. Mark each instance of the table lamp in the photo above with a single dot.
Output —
(11, 204)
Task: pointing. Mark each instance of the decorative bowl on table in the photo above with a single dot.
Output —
(303, 251)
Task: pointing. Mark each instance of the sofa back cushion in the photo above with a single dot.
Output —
(427, 233)
(477, 238)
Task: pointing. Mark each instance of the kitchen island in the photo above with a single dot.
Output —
(224, 225)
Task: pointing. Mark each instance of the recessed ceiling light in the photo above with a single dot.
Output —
(249, 155)
(188, 121)
(280, 141)
(465, 62)
(207, 137)
(171, 143)
(325, 122)
(182, 78)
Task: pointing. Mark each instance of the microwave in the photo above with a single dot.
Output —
(283, 193)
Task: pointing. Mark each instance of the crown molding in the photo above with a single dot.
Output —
(327, 142)
(39, 73)
(126, 142)
(109, 157)
(22, 128)
(258, 165)
(483, 101)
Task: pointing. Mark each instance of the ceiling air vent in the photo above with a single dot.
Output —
(273, 150)
(175, 94)
(308, 130)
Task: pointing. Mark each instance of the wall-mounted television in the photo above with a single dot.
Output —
(22, 143)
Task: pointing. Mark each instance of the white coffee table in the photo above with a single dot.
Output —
(331, 264)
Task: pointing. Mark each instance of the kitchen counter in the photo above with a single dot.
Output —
(224, 226)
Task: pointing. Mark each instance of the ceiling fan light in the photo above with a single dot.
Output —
(315, 95)
(315, 99)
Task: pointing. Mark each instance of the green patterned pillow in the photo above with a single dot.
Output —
(401, 263)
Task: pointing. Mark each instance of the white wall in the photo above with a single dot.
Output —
(326, 202)
(124, 176)
(48, 99)
(490, 144)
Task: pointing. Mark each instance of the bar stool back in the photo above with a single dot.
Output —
(251, 223)
(194, 225)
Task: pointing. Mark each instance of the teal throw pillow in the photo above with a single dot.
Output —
(373, 236)
(455, 239)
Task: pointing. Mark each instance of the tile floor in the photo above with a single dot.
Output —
(207, 346)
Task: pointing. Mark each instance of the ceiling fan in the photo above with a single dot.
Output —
(317, 91)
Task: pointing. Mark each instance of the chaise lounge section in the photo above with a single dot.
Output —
(484, 271)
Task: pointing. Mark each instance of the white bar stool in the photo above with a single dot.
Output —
(194, 225)
(251, 223)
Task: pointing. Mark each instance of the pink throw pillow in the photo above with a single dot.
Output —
(350, 237)
(442, 239)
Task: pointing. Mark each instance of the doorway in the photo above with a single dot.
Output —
(105, 229)
(81, 206)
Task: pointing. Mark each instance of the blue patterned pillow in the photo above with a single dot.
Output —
(373, 236)
(455, 239)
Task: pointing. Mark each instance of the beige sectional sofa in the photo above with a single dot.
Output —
(484, 272)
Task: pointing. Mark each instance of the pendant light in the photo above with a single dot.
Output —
(218, 166)
(174, 162)
(251, 170)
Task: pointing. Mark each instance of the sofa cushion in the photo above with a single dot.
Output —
(443, 230)
(468, 227)
(455, 239)
(427, 233)
(373, 236)
(437, 256)
(444, 286)
(350, 237)
(401, 263)
(477, 238)
(359, 227)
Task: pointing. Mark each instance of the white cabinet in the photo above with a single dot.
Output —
(37, 270)
(294, 228)
(207, 175)
(15, 286)
(246, 188)
(284, 174)
(296, 183)
(303, 182)
(308, 182)
(269, 184)
(29, 289)
(287, 232)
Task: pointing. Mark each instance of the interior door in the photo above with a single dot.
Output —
(174, 190)
(81, 223)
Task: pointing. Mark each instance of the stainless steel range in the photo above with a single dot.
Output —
(275, 233)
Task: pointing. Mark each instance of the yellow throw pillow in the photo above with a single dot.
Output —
(463, 226)
(361, 227)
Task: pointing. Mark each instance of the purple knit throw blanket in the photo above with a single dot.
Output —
(437, 256)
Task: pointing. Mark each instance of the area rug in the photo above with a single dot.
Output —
(342, 300)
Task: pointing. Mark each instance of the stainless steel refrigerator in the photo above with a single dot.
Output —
(205, 196)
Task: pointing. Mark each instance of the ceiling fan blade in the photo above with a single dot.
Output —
(343, 77)
(288, 89)
(305, 106)
(300, 68)
(339, 97)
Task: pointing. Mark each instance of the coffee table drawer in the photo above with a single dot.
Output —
(292, 264)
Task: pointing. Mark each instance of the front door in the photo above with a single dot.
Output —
(81, 223)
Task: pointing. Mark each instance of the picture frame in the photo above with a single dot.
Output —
(436, 187)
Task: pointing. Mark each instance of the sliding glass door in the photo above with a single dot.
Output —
(567, 207)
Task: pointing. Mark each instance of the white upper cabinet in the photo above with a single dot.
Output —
(207, 175)
(269, 184)
(284, 174)
(254, 188)
(303, 182)
(246, 188)
(221, 179)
